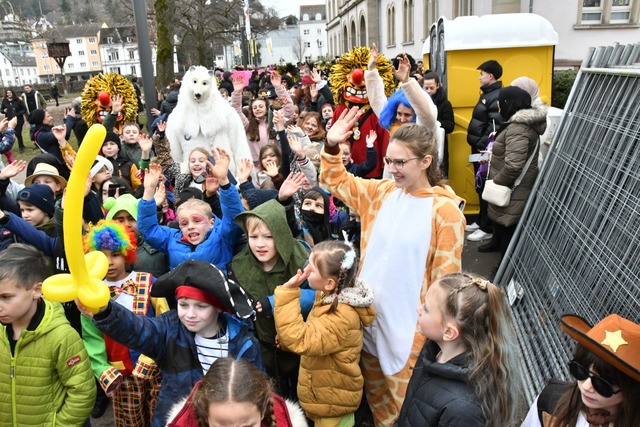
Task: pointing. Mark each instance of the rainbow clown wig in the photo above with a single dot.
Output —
(109, 234)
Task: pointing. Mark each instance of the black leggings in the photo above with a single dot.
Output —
(19, 134)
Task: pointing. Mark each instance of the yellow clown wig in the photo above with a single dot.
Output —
(100, 89)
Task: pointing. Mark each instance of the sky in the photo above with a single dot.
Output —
(289, 7)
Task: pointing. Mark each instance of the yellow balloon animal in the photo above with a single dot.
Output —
(87, 271)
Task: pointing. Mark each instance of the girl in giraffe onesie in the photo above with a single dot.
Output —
(412, 233)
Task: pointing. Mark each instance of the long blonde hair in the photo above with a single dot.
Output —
(480, 310)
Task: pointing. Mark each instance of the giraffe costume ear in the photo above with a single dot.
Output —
(614, 339)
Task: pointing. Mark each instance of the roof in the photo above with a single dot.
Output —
(118, 34)
(72, 31)
(312, 10)
(21, 61)
(494, 31)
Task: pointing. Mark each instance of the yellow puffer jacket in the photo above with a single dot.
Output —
(330, 382)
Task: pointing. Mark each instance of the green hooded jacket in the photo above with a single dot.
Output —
(248, 270)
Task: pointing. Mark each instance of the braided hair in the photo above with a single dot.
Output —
(337, 260)
(230, 380)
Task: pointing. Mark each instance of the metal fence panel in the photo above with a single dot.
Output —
(577, 248)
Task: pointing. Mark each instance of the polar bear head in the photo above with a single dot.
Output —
(199, 84)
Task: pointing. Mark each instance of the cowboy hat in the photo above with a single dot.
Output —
(614, 339)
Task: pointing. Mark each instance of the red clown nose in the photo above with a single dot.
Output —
(104, 98)
(358, 76)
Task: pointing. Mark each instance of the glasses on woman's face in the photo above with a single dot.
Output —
(600, 385)
(397, 163)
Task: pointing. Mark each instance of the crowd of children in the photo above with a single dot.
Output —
(288, 294)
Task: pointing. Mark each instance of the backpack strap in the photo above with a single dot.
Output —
(551, 394)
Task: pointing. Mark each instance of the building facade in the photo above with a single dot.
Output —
(398, 26)
(119, 51)
(313, 32)
(16, 70)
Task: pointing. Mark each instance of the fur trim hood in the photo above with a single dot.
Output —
(360, 295)
(534, 117)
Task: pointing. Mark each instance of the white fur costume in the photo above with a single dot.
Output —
(202, 118)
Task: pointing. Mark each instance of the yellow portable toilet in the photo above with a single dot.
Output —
(523, 43)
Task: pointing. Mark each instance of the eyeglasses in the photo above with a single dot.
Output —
(398, 163)
(601, 386)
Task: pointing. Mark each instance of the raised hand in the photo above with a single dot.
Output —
(162, 126)
(13, 169)
(151, 179)
(145, 143)
(221, 168)
(155, 112)
(295, 144)
(342, 128)
(291, 185)
(315, 76)
(245, 166)
(238, 83)
(373, 57)
(403, 70)
(117, 104)
(271, 169)
(276, 80)
(295, 129)
(60, 133)
(160, 196)
(211, 183)
(278, 120)
(371, 138)
(313, 91)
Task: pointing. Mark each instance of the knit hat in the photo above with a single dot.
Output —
(114, 137)
(126, 202)
(614, 339)
(207, 278)
(45, 169)
(492, 67)
(36, 117)
(39, 195)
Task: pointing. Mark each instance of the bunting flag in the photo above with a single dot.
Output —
(269, 44)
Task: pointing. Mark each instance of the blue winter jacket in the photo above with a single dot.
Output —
(216, 249)
(167, 341)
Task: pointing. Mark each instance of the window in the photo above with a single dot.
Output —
(318, 17)
(47, 68)
(113, 56)
(307, 44)
(92, 39)
(43, 56)
(128, 39)
(110, 40)
(319, 32)
(69, 66)
(306, 32)
(132, 54)
(83, 65)
(94, 64)
(133, 70)
(407, 21)
(81, 53)
(391, 25)
(305, 17)
(78, 41)
(93, 52)
(462, 8)
(606, 12)
(430, 16)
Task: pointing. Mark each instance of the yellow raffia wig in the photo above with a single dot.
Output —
(347, 76)
(96, 99)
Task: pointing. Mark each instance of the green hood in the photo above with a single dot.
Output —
(248, 270)
(275, 216)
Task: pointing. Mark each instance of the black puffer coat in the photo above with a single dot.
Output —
(484, 113)
(439, 393)
(517, 140)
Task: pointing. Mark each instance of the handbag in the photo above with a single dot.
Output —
(500, 195)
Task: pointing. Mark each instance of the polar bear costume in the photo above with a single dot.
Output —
(202, 118)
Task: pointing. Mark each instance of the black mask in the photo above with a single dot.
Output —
(312, 217)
